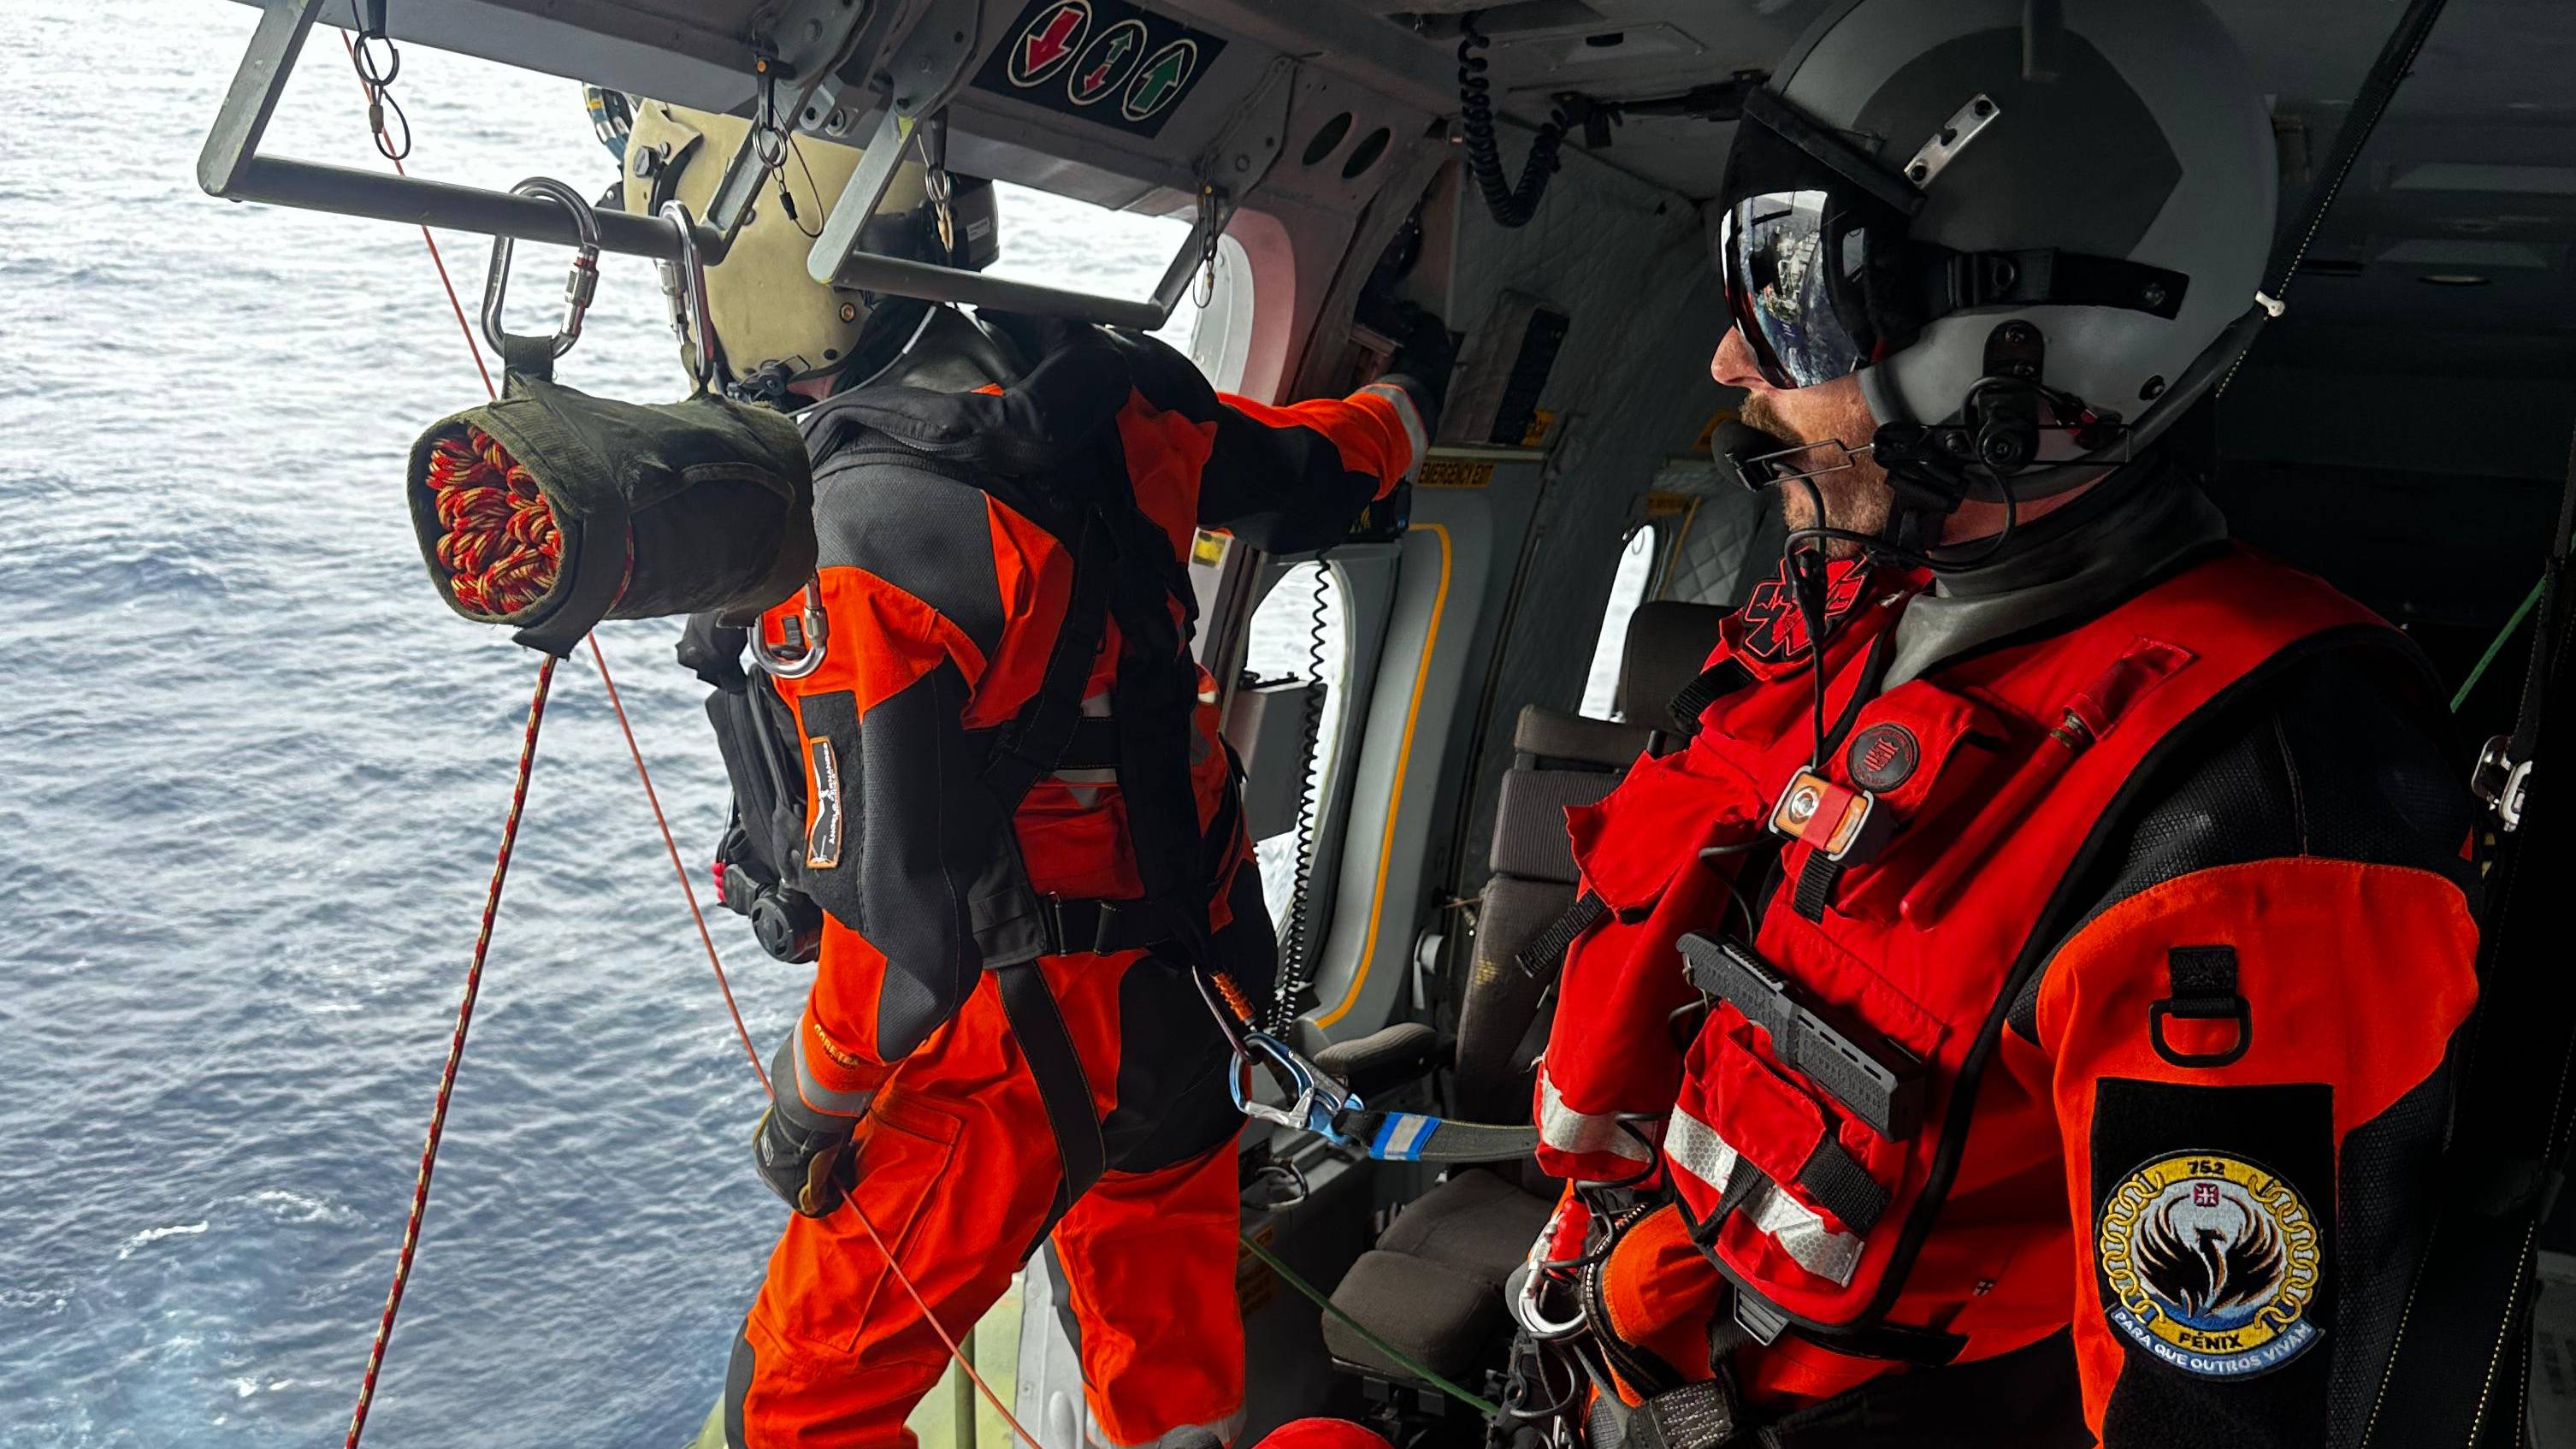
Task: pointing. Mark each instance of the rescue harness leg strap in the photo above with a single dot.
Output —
(1062, 1088)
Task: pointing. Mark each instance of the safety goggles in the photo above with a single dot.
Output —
(1823, 277)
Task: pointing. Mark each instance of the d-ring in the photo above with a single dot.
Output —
(578, 288)
(796, 658)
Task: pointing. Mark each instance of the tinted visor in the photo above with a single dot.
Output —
(1810, 260)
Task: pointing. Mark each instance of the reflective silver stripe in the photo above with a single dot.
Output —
(1085, 777)
(1418, 437)
(1584, 1133)
(1694, 1147)
(1096, 706)
(820, 1097)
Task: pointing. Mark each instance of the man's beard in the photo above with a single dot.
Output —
(1851, 486)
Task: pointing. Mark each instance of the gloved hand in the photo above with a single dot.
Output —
(806, 1156)
(811, 1166)
(1424, 355)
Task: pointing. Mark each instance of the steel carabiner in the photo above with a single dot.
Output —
(579, 287)
(684, 287)
(1315, 1101)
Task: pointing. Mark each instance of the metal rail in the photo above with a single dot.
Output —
(231, 166)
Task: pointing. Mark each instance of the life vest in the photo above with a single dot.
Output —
(1828, 1098)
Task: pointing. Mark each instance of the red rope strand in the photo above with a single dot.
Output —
(687, 891)
(455, 1054)
(501, 551)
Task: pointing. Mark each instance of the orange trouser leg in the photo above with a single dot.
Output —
(1150, 1261)
(958, 1171)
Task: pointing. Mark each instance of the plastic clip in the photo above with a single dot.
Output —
(578, 287)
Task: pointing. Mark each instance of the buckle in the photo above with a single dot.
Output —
(2501, 781)
(1840, 822)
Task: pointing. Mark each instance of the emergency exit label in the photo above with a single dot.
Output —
(1102, 60)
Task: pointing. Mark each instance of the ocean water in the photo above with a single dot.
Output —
(251, 777)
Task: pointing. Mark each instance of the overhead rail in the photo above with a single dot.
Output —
(794, 80)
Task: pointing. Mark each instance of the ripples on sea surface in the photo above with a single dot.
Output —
(251, 775)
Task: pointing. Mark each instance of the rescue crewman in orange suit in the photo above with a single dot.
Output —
(1019, 823)
(2024, 1011)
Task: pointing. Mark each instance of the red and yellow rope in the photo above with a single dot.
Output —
(501, 549)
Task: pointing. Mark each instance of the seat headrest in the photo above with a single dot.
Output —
(1668, 641)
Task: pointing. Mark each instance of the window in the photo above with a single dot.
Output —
(1060, 242)
(1300, 632)
(1627, 591)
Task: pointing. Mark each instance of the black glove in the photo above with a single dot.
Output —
(806, 1157)
(1424, 355)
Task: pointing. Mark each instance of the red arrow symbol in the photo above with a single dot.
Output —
(1045, 48)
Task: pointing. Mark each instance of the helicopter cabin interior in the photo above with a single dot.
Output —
(2403, 429)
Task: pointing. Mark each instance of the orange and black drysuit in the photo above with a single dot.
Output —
(1022, 828)
(2097, 1090)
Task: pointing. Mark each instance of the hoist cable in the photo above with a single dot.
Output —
(455, 1055)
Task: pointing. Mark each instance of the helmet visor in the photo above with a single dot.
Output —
(1805, 256)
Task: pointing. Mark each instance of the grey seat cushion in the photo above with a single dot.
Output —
(1443, 1317)
(1499, 1000)
(1556, 734)
(1667, 643)
(1475, 1221)
(1433, 1285)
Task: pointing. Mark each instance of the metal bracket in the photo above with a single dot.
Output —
(803, 48)
(2501, 781)
(1950, 140)
(231, 167)
(924, 71)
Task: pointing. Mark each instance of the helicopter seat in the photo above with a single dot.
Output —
(1432, 1286)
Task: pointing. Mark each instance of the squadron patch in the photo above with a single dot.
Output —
(2210, 1262)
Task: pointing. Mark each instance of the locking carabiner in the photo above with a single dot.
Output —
(795, 657)
(578, 287)
(684, 288)
(1315, 1101)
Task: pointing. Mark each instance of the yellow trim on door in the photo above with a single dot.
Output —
(1395, 796)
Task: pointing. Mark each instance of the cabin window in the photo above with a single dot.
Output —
(1301, 631)
(1627, 591)
(1061, 242)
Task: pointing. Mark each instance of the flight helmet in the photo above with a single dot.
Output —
(2071, 238)
(773, 323)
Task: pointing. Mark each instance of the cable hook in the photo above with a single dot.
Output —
(684, 288)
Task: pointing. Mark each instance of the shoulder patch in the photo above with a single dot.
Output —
(2210, 1261)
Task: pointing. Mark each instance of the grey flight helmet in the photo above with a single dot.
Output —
(1901, 190)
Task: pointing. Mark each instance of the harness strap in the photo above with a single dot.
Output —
(1540, 959)
(1413, 1137)
(1063, 1090)
(1033, 743)
(1706, 688)
(1695, 1416)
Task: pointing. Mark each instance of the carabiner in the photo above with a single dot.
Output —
(796, 657)
(1315, 1101)
(578, 287)
(684, 288)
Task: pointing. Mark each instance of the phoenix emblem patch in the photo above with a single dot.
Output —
(2211, 1262)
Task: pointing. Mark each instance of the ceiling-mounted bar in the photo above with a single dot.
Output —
(231, 167)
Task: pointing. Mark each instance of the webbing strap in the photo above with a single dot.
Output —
(1540, 958)
(1413, 1137)
(1816, 882)
(1694, 1416)
(1706, 688)
(1063, 1090)
(1834, 1180)
(1033, 743)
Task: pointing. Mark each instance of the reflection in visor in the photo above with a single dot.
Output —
(1783, 280)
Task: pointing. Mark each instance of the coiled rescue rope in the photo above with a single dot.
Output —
(501, 551)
